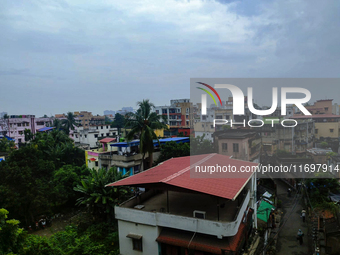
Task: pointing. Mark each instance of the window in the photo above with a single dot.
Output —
(224, 147)
(96, 135)
(85, 136)
(326, 108)
(96, 127)
(107, 134)
(157, 111)
(137, 244)
(102, 135)
(76, 136)
(107, 127)
(19, 124)
(20, 132)
(235, 147)
(316, 131)
(19, 140)
(211, 126)
(331, 130)
(40, 123)
(96, 164)
(101, 127)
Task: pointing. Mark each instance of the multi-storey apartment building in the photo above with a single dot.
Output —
(86, 119)
(15, 126)
(238, 143)
(88, 136)
(181, 215)
(179, 114)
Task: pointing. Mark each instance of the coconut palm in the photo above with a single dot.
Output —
(102, 199)
(143, 123)
(69, 122)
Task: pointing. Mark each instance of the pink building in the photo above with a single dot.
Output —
(16, 125)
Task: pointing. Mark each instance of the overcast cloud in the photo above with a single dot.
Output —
(59, 56)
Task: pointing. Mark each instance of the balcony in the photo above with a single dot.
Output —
(150, 209)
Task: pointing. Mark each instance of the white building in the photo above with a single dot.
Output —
(91, 135)
(180, 213)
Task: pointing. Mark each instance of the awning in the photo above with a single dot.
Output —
(134, 236)
(45, 129)
(264, 211)
(126, 144)
(107, 140)
(205, 243)
(92, 159)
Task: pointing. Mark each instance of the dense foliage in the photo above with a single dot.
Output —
(173, 150)
(35, 179)
(100, 199)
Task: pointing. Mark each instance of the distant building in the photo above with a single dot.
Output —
(16, 125)
(86, 119)
(2, 114)
(89, 137)
(326, 125)
(179, 116)
(125, 110)
(109, 112)
(319, 155)
(323, 106)
(238, 143)
(125, 156)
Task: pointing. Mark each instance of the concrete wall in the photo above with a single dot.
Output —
(323, 129)
(149, 233)
(216, 228)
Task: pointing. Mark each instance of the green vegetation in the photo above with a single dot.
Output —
(119, 122)
(318, 190)
(143, 123)
(101, 199)
(199, 145)
(69, 123)
(173, 150)
(6, 145)
(35, 179)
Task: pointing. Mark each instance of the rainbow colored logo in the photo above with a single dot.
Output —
(209, 93)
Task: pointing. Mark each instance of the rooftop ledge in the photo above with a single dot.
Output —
(150, 208)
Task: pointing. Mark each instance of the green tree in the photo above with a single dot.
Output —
(28, 135)
(173, 150)
(57, 123)
(64, 180)
(200, 145)
(7, 145)
(119, 122)
(69, 122)
(101, 199)
(143, 123)
(12, 237)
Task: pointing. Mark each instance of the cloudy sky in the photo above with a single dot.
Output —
(70, 55)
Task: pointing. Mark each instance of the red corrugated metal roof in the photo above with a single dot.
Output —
(176, 172)
(107, 140)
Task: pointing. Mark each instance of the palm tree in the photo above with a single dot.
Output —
(101, 199)
(143, 123)
(69, 122)
(57, 124)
